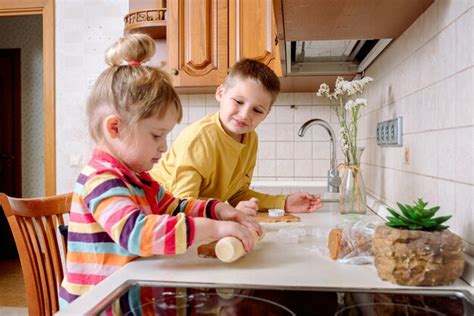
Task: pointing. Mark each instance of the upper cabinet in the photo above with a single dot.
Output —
(206, 37)
(198, 41)
(252, 32)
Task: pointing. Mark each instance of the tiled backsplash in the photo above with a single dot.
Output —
(282, 154)
(426, 76)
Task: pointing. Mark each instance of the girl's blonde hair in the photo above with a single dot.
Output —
(129, 89)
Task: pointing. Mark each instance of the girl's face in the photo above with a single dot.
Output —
(143, 146)
(243, 106)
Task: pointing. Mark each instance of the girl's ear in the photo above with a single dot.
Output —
(112, 125)
(219, 92)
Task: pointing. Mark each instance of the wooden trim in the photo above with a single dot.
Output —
(46, 9)
(49, 94)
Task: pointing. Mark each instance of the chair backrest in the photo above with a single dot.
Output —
(34, 224)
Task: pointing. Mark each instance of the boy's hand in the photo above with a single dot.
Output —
(249, 207)
(302, 202)
(226, 212)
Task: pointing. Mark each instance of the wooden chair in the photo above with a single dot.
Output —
(34, 223)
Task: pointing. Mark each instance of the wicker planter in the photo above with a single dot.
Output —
(413, 257)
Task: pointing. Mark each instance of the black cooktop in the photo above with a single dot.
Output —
(142, 298)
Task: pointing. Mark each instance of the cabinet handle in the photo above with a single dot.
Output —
(174, 71)
(276, 39)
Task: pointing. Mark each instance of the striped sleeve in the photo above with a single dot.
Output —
(168, 204)
(122, 214)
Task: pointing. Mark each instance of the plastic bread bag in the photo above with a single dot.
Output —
(352, 243)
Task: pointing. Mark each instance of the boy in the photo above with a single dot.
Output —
(215, 156)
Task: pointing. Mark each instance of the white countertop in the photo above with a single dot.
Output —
(273, 263)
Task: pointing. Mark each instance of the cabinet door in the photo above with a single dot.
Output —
(252, 32)
(197, 41)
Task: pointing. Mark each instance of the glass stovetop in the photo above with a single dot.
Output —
(142, 298)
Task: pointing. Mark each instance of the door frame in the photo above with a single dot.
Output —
(45, 8)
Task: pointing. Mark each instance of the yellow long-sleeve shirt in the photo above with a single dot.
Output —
(205, 162)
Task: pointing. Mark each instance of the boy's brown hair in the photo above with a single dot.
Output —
(252, 69)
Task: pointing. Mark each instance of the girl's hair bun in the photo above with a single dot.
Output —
(134, 49)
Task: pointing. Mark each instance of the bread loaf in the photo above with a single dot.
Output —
(352, 241)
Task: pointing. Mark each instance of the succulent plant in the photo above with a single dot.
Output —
(416, 217)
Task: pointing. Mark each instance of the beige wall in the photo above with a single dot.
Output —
(28, 38)
(426, 76)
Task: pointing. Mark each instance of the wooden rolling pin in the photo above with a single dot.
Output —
(229, 249)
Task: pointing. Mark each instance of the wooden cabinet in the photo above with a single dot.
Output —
(252, 32)
(206, 37)
(198, 41)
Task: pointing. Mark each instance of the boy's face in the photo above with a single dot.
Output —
(243, 105)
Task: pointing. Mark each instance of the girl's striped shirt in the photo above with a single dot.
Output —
(117, 216)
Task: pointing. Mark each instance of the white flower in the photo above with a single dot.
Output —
(366, 80)
(349, 105)
(323, 90)
(361, 102)
(343, 100)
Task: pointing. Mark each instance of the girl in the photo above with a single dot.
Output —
(118, 212)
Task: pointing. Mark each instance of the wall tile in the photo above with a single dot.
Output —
(267, 168)
(464, 98)
(464, 41)
(464, 154)
(211, 100)
(197, 100)
(303, 113)
(304, 168)
(430, 22)
(285, 150)
(446, 199)
(303, 150)
(446, 102)
(285, 99)
(266, 150)
(266, 132)
(195, 113)
(446, 154)
(285, 168)
(304, 98)
(284, 114)
(447, 55)
(463, 218)
(285, 132)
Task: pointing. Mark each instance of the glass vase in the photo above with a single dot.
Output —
(352, 196)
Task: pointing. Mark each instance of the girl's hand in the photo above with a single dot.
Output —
(302, 202)
(249, 207)
(247, 236)
(226, 212)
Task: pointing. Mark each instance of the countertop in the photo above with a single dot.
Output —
(273, 263)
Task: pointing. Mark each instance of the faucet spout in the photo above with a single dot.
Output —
(333, 174)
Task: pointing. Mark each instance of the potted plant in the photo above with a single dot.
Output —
(414, 248)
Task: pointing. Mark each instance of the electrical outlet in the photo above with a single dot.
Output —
(389, 133)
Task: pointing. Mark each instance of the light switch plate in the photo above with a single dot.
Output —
(390, 132)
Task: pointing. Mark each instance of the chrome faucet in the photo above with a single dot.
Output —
(333, 174)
